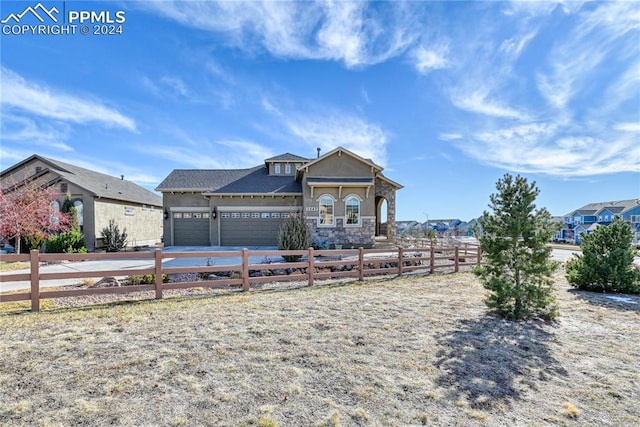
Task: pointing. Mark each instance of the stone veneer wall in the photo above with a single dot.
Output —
(384, 189)
(346, 236)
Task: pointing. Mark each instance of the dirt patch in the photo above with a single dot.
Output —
(409, 351)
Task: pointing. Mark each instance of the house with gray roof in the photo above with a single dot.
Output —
(588, 218)
(340, 195)
(97, 197)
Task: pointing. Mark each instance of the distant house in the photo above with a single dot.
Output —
(407, 228)
(339, 194)
(97, 197)
(588, 218)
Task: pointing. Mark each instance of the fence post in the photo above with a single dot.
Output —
(360, 264)
(479, 256)
(245, 269)
(456, 260)
(158, 272)
(310, 270)
(34, 260)
(431, 260)
(400, 261)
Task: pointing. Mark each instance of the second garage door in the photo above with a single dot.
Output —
(250, 228)
(191, 229)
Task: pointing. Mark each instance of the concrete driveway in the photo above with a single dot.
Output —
(132, 264)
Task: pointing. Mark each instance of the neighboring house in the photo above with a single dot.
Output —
(340, 195)
(589, 217)
(97, 197)
(407, 228)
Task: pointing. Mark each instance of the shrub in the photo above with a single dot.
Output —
(606, 263)
(320, 244)
(69, 242)
(514, 245)
(294, 235)
(147, 279)
(114, 240)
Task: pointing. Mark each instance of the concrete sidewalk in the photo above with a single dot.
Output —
(131, 264)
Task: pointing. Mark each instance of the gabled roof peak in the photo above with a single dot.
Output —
(287, 157)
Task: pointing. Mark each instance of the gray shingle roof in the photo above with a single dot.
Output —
(103, 185)
(287, 157)
(229, 181)
(615, 207)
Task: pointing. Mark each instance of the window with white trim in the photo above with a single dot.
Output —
(326, 211)
(255, 215)
(235, 214)
(276, 168)
(225, 215)
(287, 168)
(246, 214)
(352, 205)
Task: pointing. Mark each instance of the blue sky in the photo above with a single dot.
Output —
(446, 96)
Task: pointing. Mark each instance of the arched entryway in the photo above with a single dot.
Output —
(381, 217)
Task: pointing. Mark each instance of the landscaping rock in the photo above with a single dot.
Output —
(107, 282)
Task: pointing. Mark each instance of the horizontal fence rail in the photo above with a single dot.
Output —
(308, 266)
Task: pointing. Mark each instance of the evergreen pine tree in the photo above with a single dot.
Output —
(606, 263)
(294, 234)
(514, 240)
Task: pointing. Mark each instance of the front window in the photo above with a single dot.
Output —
(287, 169)
(79, 213)
(326, 210)
(353, 210)
(276, 168)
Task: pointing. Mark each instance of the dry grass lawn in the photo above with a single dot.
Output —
(409, 351)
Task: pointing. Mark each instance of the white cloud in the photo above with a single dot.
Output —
(28, 131)
(366, 139)
(478, 101)
(42, 101)
(550, 149)
(350, 32)
(444, 136)
(177, 85)
(600, 35)
(425, 60)
(193, 152)
(627, 127)
(328, 128)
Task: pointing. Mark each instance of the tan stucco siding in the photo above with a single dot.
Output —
(367, 203)
(339, 166)
(23, 172)
(283, 169)
(143, 223)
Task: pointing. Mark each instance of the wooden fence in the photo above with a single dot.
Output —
(313, 264)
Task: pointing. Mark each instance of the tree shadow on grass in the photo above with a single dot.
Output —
(489, 361)
(621, 302)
